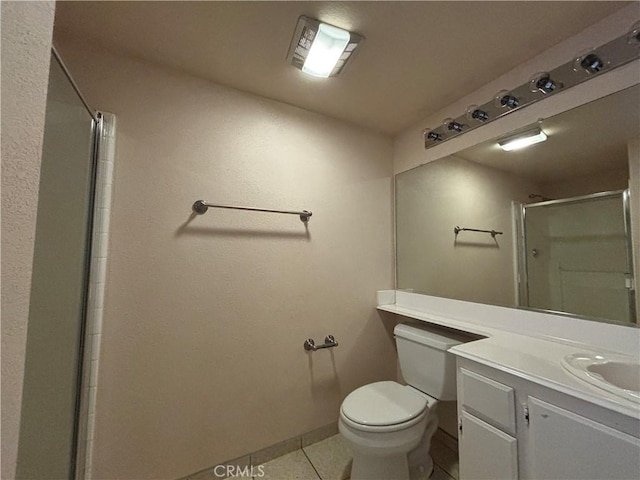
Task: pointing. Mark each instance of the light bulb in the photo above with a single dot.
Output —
(523, 140)
(433, 136)
(504, 98)
(474, 113)
(325, 51)
(634, 34)
(590, 62)
(452, 125)
(542, 82)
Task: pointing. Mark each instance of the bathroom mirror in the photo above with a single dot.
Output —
(556, 217)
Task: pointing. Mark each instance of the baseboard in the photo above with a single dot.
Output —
(253, 459)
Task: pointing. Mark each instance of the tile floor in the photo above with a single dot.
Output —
(330, 459)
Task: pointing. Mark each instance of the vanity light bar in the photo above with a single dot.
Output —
(609, 56)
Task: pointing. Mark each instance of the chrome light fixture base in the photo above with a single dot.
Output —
(611, 55)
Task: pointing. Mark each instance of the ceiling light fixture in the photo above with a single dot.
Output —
(634, 34)
(504, 98)
(452, 125)
(473, 112)
(589, 62)
(613, 54)
(523, 140)
(542, 82)
(433, 136)
(320, 49)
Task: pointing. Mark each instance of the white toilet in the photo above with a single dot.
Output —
(388, 425)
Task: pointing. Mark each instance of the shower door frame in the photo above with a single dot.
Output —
(523, 275)
(79, 443)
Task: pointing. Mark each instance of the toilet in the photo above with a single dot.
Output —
(388, 425)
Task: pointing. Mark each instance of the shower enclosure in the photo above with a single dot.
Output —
(577, 256)
(50, 425)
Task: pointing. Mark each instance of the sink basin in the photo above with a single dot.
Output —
(617, 374)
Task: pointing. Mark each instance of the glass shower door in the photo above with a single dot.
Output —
(578, 256)
(50, 401)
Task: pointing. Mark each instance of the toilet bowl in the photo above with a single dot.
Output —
(389, 426)
(383, 422)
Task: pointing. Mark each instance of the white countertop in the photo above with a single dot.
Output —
(533, 356)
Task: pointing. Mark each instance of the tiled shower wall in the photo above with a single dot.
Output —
(98, 273)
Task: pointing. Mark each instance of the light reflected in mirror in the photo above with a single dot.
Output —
(562, 207)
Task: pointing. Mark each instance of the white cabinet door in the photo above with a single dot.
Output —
(486, 453)
(564, 445)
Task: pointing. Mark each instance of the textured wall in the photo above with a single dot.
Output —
(205, 317)
(26, 44)
(586, 184)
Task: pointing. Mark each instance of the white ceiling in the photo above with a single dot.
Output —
(417, 58)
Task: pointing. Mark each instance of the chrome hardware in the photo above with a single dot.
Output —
(493, 233)
(200, 207)
(616, 53)
(329, 342)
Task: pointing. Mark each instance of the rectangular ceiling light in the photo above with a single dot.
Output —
(523, 140)
(320, 49)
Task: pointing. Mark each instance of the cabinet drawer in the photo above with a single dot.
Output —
(487, 398)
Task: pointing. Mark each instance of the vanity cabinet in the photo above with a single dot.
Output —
(512, 428)
(485, 451)
(486, 428)
(566, 445)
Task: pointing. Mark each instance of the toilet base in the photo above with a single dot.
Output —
(422, 471)
(417, 464)
(386, 468)
(419, 459)
(383, 468)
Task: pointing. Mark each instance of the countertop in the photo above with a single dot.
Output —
(524, 355)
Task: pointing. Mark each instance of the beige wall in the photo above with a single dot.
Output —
(585, 184)
(26, 44)
(205, 317)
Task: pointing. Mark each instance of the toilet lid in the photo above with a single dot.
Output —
(383, 403)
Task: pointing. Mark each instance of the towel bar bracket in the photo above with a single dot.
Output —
(200, 208)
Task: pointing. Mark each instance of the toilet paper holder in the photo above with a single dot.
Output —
(329, 342)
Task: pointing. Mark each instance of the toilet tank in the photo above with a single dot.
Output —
(425, 362)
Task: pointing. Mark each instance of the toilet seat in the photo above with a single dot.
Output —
(384, 406)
